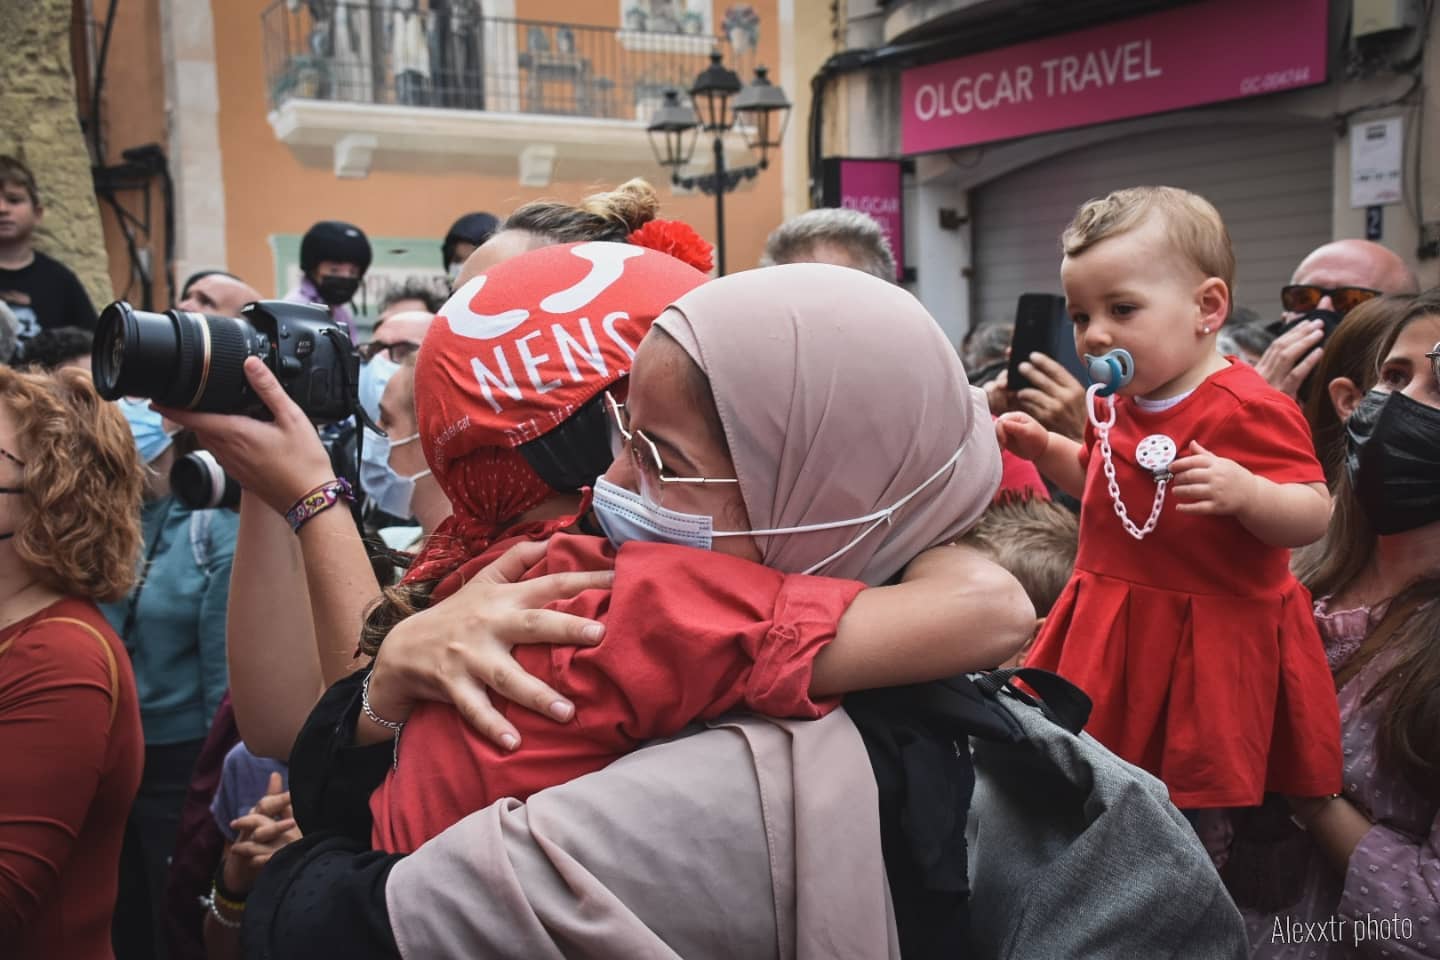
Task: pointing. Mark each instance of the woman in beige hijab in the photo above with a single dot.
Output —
(841, 438)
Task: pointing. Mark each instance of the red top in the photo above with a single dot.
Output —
(73, 757)
(1018, 475)
(689, 635)
(1197, 644)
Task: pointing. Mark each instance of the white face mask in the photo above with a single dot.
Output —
(625, 515)
(388, 490)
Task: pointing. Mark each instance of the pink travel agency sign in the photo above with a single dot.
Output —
(873, 187)
(1198, 53)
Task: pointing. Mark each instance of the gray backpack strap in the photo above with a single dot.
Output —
(200, 537)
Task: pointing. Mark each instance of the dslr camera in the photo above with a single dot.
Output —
(194, 361)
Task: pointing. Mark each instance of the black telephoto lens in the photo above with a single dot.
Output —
(177, 358)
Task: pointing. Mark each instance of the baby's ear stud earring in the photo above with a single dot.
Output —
(1207, 329)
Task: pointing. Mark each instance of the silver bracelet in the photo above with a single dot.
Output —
(377, 719)
(208, 902)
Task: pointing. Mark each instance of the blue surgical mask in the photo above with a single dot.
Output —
(146, 426)
(625, 515)
(386, 489)
(374, 375)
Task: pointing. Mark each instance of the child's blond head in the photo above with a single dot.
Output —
(1034, 539)
(1196, 231)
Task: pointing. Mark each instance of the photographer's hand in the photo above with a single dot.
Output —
(456, 650)
(280, 460)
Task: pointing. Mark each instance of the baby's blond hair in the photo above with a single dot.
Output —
(1192, 223)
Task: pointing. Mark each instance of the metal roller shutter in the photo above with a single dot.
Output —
(1272, 185)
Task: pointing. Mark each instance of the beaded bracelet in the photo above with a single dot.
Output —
(213, 903)
(317, 501)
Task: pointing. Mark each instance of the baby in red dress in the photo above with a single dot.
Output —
(1182, 619)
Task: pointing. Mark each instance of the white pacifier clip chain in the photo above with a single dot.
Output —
(1158, 449)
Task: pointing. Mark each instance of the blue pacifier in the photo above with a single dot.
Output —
(1113, 369)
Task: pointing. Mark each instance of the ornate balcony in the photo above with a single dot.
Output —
(373, 84)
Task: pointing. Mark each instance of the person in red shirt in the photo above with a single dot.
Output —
(690, 634)
(1186, 626)
(70, 488)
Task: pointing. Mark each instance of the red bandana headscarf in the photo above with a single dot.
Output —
(511, 355)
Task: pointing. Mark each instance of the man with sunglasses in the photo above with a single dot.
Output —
(1329, 283)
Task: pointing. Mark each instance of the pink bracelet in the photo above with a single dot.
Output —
(317, 501)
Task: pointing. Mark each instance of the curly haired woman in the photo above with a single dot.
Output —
(70, 482)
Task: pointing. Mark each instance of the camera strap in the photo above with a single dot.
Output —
(132, 612)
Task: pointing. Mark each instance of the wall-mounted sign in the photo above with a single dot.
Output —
(1193, 54)
(1376, 161)
(873, 187)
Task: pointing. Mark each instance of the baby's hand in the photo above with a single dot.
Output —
(1211, 485)
(1022, 435)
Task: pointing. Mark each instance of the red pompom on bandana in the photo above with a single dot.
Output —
(511, 356)
(679, 240)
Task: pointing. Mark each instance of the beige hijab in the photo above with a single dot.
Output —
(840, 396)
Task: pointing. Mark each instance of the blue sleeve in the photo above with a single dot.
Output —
(214, 675)
(222, 806)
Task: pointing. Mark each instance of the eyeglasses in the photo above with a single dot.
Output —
(646, 457)
(397, 351)
(1434, 357)
(1304, 297)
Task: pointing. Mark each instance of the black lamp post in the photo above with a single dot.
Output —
(675, 128)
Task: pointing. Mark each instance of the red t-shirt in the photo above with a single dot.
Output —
(73, 750)
(690, 634)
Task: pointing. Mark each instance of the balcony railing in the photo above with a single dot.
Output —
(376, 53)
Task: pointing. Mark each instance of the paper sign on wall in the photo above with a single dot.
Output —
(1377, 164)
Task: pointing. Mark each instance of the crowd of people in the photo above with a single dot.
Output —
(639, 613)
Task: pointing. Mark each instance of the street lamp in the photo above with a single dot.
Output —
(673, 131)
(758, 102)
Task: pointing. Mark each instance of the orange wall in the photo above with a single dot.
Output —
(270, 190)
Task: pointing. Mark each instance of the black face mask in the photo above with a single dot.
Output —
(337, 290)
(1330, 318)
(573, 454)
(1393, 460)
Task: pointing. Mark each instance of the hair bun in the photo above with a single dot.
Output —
(634, 203)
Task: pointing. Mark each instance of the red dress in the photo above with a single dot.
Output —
(73, 753)
(1197, 644)
(690, 634)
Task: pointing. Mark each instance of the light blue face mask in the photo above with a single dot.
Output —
(388, 490)
(147, 427)
(625, 515)
(375, 373)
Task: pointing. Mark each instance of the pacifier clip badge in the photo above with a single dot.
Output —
(1110, 371)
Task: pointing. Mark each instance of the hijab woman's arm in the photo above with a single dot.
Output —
(953, 612)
